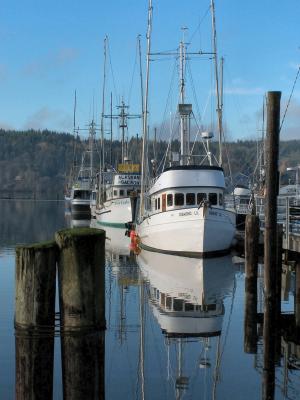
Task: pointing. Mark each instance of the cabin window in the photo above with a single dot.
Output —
(169, 200)
(121, 192)
(213, 198)
(179, 199)
(158, 203)
(189, 307)
(155, 204)
(128, 192)
(220, 199)
(169, 302)
(190, 199)
(178, 305)
(115, 193)
(211, 307)
(201, 197)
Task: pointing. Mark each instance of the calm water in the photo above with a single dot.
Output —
(175, 325)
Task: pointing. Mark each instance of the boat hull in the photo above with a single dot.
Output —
(189, 232)
(81, 207)
(114, 213)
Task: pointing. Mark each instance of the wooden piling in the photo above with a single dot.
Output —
(251, 264)
(81, 278)
(34, 320)
(35, 286)
(270, 245)
(297, 298)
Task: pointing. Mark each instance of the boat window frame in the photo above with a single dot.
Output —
(170, 203)
(175, 200)
(193, 194)
(215, 201)
(200, 199)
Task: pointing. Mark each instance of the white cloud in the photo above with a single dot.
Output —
(46, 118)
(244, 91)
(51, 61)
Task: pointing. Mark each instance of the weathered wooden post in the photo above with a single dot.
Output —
(270, 251)
(34, 320)
(297, 298)
(278, 283)
(81, 274)
(251, 264)
(81, 278)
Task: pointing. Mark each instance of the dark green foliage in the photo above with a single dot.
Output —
(36, 164)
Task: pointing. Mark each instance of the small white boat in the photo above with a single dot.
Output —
(116, 210)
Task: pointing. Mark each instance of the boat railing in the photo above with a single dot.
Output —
(288, 213)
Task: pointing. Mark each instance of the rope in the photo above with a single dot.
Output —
(288, 103)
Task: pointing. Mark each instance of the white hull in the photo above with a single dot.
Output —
(115, 213)
(191, 231)
(80, 206)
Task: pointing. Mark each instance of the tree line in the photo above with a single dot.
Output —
(36, 164)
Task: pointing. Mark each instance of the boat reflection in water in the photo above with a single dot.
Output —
(186, 297)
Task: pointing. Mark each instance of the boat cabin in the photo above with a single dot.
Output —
(122, 185)
(187, 186)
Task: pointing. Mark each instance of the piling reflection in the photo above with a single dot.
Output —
(83, 365)
(34, 365)
(276, 351)
(186, 297)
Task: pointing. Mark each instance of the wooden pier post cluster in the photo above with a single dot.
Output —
(78, 255)
(272, 258)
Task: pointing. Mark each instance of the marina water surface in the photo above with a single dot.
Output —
(175, 325)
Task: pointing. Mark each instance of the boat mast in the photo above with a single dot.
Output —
(145, 109)
(141, 73)
(102, 121)
(111, 130)
(184, 134)
(92, 132)
(219, 105)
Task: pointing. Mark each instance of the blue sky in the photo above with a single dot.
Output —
(49, 48)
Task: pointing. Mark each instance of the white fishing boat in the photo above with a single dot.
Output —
(81, 191)
(187, 214)
(182, 210)
(116, 185)
(116, 210)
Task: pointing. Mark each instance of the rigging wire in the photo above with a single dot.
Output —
(162, 127)
(133, 72)
(290, 97)
(200, 23)
(112, 71)
(194, 90)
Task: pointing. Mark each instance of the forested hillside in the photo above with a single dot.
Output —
(37, 163)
